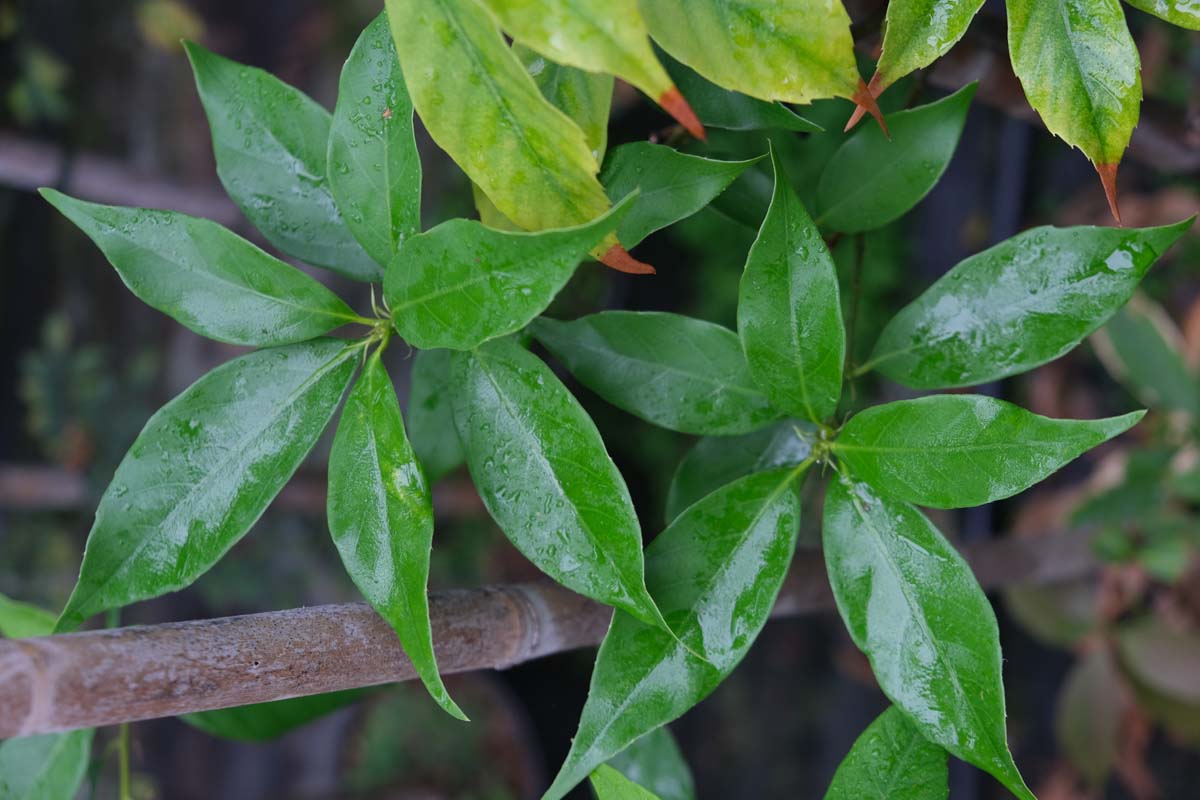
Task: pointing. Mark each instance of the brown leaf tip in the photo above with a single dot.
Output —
(865, 98)
(674, 104)
(1108, 177)
(619, 259)
(875, 87)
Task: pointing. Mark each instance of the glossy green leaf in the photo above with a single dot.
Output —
(205, 277)
(681, 373)
(1080, 70)
(718, 460)
(1184, 13)
(1142, 348)
(1164, 658)
(21, 620)
(654, 762)
(797, 51)
(204, 469)
(462, 283)
(431, 415)
(891, 760)
(1017, 305)
(270, 142)
(373, 165)
(917, 33)
(913, 607)
(47, 767)
(789, 310)
(543, 473)
(585, 97)
(671, 185)
(1087, 720)
(715, 572)
(481, 106)
(381, 517)
(958, 450)
(608, 784)
(722, 108)
(262, 722)
(872, 180)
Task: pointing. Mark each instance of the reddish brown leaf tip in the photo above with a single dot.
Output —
(865, 98)
(876, 88)
(1108, 177)
(674, 104)
(619, 259)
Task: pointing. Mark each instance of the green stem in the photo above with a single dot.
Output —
(123, 762)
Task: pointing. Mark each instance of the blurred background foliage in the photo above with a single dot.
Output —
(1103, 673)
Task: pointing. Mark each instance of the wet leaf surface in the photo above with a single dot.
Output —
(1184, 13)
(722, 108)
(430, 414)
(585, 97)
(917, 33)
(654, 762)
(891, 760)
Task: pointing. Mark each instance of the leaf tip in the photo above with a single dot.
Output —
(875, 88)
(1108, 178)
(618, 258)
(674, 104)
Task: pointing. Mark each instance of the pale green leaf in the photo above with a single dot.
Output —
(47, 767)
(654, 762)
(1184, 13)
(609, 784)
(22, 620)
(917, 33)
(722, 108)
(585, 97)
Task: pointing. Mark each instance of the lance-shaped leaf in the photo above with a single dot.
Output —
(1184, 13)
(913, 607)
(678, 372)
(381, 517)
(1087, 719)
(262, 722)
(671, 185)
(21, 620)
(789, 310)
(891, 760)
(462, 283)
(718, 460)
(1081, 72)
(722, 108)
(205, 277)
(797, 52)
(597, 36)
(270, 142)
(917, 33)
(872, 179)
(958, 450)
(479, 104)
(373, 165)
(654, 761)
(431, 415)
(48, 767)
(715, 572)
(612, 785)
(543, 473)
(1017, 305)
(204, 469)
(585, 97)
(1143, 348)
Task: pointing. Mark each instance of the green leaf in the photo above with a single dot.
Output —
(1164, 658)
(715, 571)
(718, 460)
(674, 371)
(270, 142)
(1141, 347)
(913, 607)
(872, 180)
(891, 760)
(1087, 719)
(654, 761)
(374, 169)
(543, 473)
(1057, 615)
(462, 283)
(612, 785)
(796, 52)
(48, 767)
(585, 97)
(1080, 70)
(204, 469)
(721, 108)
(262, 722)
(431, 415)
(481, 107)
(381, 517)
(671, 185)
(789, 310)
(917, 33)
(1017, 305)
(1184, 13)
(22, 621)
(205, 277)
(958, 450)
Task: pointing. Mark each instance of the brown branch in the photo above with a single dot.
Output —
(106, 677)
